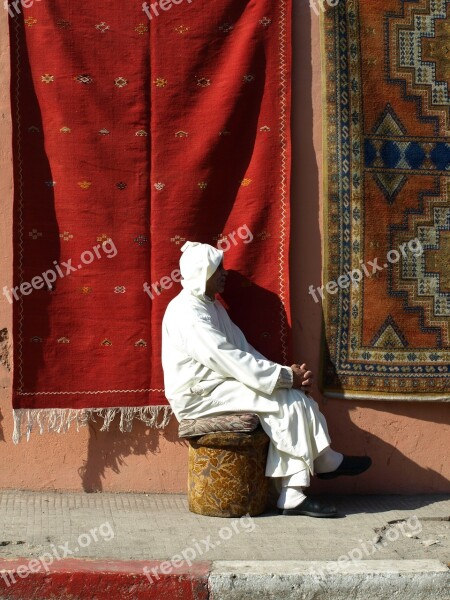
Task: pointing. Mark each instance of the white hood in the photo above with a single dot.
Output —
(197, 263)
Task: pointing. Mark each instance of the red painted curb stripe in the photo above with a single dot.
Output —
(79, 579)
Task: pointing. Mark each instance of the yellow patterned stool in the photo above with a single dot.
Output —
(227, 474)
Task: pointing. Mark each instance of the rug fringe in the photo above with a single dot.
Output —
(59, 420)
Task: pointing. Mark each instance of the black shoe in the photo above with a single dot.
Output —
(351, 465)
(311, 507)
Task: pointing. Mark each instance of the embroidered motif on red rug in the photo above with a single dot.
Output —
(134, 132)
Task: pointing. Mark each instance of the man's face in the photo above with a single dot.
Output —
(216, 283)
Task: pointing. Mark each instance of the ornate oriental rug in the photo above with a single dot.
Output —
(387, 305)
(137, 128)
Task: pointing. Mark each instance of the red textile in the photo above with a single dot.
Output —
(147, 133)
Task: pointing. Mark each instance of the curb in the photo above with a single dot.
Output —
(79, 579)
(329, 580)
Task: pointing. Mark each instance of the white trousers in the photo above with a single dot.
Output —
(298, 434)
(297, 429)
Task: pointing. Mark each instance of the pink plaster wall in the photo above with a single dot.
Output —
(409, 442)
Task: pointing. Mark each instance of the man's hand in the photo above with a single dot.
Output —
(302, 377)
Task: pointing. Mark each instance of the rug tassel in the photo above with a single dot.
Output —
(17, 417)
(59, 420)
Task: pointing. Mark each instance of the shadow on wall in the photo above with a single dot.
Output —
(305, 252)
(35, 212)
(392, 471)
(109, 450)
(404, 423)
(260, 314)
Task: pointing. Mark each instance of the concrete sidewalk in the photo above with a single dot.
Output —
(381, 546)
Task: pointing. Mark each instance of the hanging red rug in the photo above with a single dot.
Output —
(136, 129)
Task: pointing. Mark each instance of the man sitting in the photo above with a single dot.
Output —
(211, 369)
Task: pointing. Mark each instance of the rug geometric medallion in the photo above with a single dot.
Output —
(387, 214)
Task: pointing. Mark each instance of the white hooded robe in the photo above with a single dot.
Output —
(211, 369)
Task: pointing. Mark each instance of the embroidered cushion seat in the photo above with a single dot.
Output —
(241, 423)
